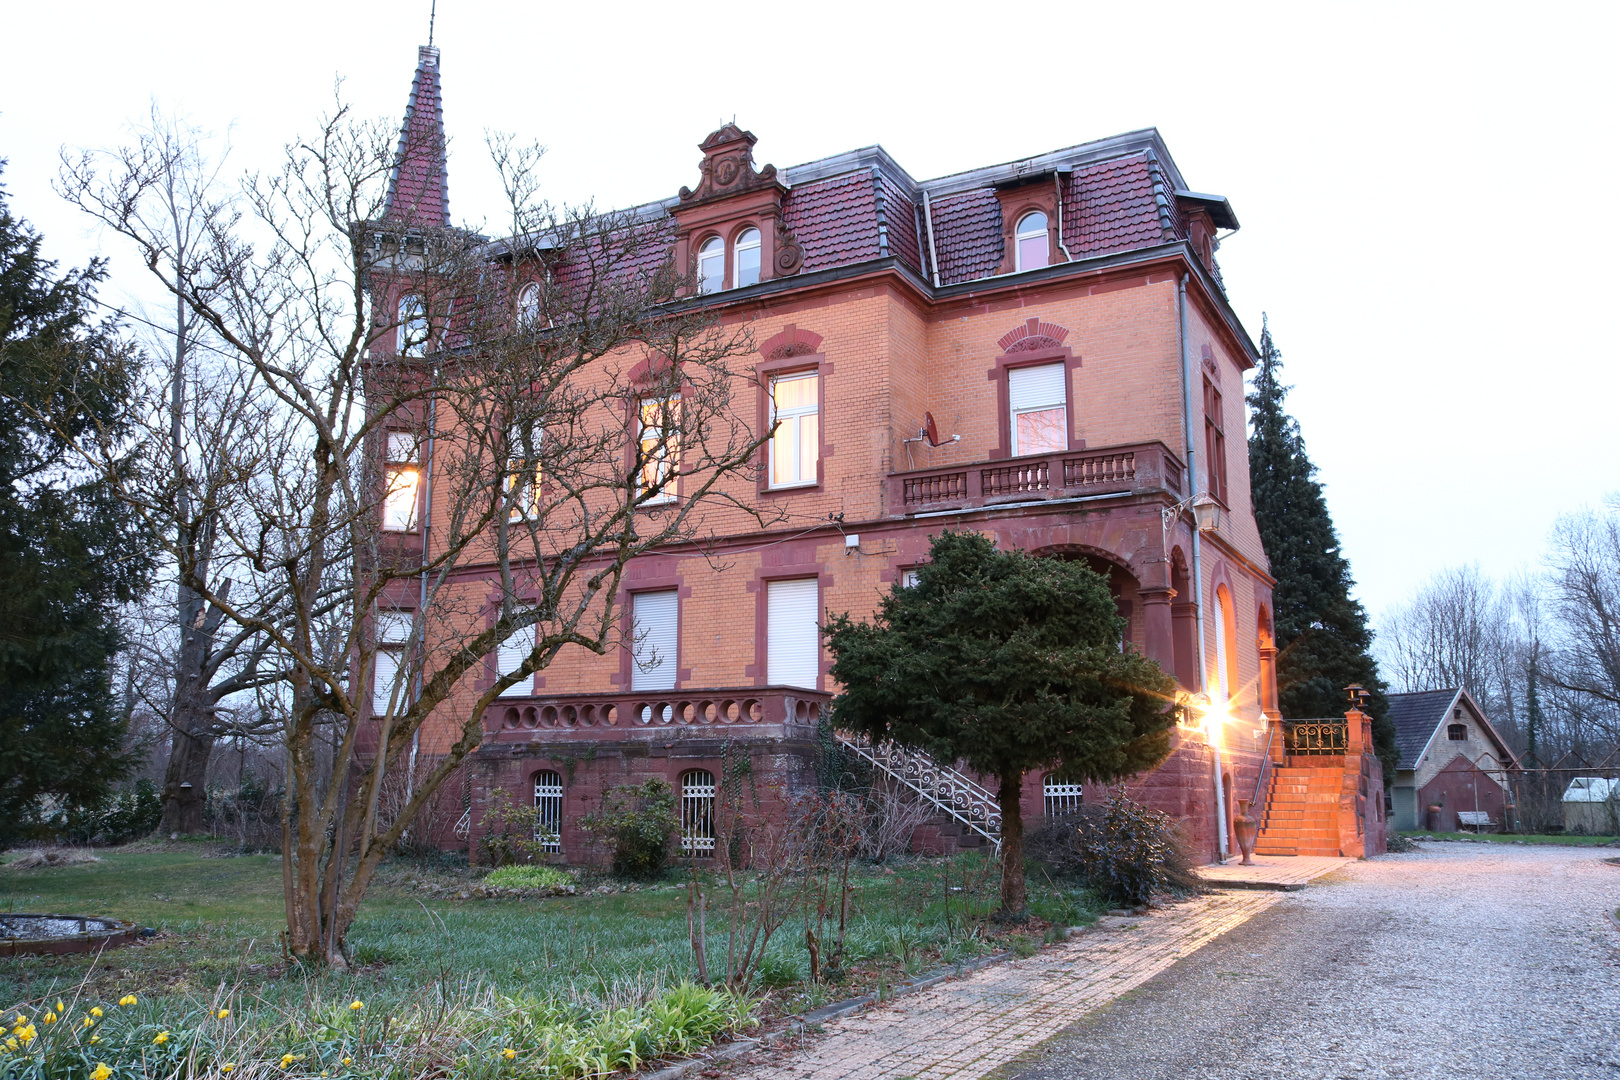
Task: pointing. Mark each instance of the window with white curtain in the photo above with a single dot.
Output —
(746, 259)
(660, 442)
(796, 444)
(1034, 251)
(712, 265)
(388, 668)
(523, 471)
(792, 634)
(401, 482)
(1038, 401)
(655, 619)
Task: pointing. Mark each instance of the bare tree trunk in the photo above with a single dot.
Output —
(1014, 895)
(191, 722)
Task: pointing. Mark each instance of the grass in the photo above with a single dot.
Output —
(219, 921)
(1513, 838)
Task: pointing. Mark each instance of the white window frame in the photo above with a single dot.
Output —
(548, 811)
(697, 812)
(523, 473)
(528, 307)
(792, 419)
(1015, 410)
(662, 470)
(742, 244)
(400, 462)
(392, 629)
(780, 639)
(654, 663)
(710, 249)
(909, 579)
(1059, 797)
(1024, 232)
(415, 328)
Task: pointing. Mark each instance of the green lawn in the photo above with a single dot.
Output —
(220, 918)
(1513, 838)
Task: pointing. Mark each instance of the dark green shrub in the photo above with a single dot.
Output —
(637, 820)
(509, 831)
(1122, 850)
(128, 815)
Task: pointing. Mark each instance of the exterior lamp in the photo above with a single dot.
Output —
(1358, 695)
(1207, 511)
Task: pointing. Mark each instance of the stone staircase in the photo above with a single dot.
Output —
(1301, 812)
(971, 815)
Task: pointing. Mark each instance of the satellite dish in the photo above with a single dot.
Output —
(929, 428)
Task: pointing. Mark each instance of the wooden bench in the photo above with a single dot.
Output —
(1479, 819)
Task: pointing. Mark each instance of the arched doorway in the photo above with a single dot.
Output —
(1122, 585)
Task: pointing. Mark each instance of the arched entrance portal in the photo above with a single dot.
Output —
(1122, 585)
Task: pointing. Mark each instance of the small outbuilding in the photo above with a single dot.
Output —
(1592, 806)
(1451, 758)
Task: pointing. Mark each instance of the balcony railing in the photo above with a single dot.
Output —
(615, 716)
(1138, 467)
(1317, 737)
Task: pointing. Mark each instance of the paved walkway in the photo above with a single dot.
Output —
(1458, 962)
(1289, 872)
(970, 1026)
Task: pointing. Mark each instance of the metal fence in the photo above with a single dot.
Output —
(1576, 794)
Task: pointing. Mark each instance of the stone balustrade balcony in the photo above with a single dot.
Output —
(752, 711)
(1137, 467)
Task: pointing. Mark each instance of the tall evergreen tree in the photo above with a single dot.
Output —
(1323, 640)
(68, 555)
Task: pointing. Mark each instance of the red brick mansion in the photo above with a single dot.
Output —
(1042, 351)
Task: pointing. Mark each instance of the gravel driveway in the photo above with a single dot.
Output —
(1464, 960)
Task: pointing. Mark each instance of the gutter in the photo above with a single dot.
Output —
(1057, 187)
(928, 219)
(1197, 555)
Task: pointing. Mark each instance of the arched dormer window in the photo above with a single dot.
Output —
(414, 327)
(529, 304)
(1034, 251)
(746, 262)
(712, 265)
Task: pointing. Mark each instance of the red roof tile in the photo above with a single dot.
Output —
(418, 194)
(835, 221)
(967, 235)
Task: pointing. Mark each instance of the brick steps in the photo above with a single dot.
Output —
(1301, 813)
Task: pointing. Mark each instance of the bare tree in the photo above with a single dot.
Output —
(405, 509)
(1460, 628)
(1584, 661)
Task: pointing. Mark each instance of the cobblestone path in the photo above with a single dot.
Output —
(970, 1026)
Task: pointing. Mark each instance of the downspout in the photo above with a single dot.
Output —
(421, 603)
(1187, 384)
(928, 220)
(1057, 186)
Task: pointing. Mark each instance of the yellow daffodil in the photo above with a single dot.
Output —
(286, 1060)
(95, 1039)
(223, 1013)
(509, 1053)
(26, 1034)
(21, 1019)
(161, 1038)
(348, 1061)
(227, 1067)
(100, 1072)
(356, 1006)
(127, 999)
(97, 1013)
(89, 1020)
(61, 1008)
(11, 1044)
(49, 1018)
(325, 1073)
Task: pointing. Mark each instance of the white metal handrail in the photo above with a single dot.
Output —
(957, 794)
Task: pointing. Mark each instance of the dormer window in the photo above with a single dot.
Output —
(747, 259)
(413, 326)
(1033, 250)
(529, 305)
(712, 265)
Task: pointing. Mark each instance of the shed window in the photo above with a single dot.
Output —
(548, 803)
(1038, 400)
(712, 265)
(1457, 732)
(747, 260)
(1034, 251)
(697, 812)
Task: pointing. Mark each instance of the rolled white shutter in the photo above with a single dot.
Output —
(792, 640)
(656, 621)
(514, 650)
(1036, 387)
(385, 669)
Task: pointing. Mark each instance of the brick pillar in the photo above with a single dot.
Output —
(1156, 627)
(1185, 618)
(1268, 682)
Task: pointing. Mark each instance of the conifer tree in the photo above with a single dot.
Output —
(1323, 640)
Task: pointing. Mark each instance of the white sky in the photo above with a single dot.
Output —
(1426, 191)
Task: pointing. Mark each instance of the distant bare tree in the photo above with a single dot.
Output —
(566, 435)
(1460, 628)
(1584, 661)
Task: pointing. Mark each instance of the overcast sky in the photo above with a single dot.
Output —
(1427, 192)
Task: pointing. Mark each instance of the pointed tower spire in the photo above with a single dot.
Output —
(418, 192)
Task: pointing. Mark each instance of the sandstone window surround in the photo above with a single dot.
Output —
(1031, 222)
(655, 645)
(1034, 344)
(729, 232)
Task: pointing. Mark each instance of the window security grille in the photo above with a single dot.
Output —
(697, 812)
(548, 802)
(1062, 798)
